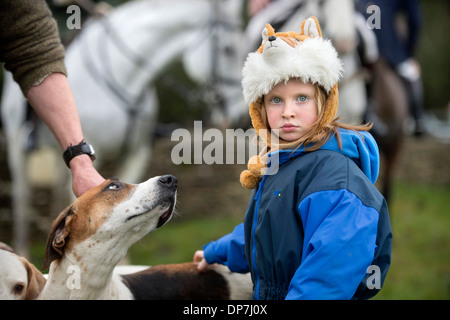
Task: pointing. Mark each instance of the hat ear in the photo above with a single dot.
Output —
(310, 27)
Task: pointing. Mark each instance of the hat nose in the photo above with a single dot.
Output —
(168, 181)
(272, 38)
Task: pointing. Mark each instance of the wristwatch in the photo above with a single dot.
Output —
(77, 150)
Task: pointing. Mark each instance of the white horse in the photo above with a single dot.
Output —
(338, 21)
(112, 65)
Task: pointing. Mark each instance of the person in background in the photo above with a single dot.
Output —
(397, 37)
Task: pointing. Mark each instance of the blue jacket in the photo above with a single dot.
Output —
(317, 229)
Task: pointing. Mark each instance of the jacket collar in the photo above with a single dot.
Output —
(358, 146)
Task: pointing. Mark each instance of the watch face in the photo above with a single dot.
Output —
(87, 148)
(92, 149)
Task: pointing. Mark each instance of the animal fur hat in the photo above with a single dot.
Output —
(282, 56)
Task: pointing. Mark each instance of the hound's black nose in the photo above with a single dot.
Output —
(272, 38)
(168, 181)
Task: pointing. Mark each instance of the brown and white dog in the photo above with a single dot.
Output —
(93, 234)
(19, 279)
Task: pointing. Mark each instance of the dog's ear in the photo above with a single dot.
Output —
(36, 281)
(4, 246)
(57, 237)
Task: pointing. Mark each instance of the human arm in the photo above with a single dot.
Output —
(54, 103)
(228, 250)
(413, 12)
(30, 46)
(32, 51)
(339, 245)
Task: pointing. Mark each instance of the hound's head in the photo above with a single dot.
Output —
(19, 279)
(105, 221)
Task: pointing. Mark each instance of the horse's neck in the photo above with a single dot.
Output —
(140, 39)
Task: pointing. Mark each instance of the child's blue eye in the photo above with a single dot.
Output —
(275, 100)
(302, 98)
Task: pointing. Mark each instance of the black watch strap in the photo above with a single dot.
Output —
(77, 150)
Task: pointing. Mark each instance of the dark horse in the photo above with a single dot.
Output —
(391, 107)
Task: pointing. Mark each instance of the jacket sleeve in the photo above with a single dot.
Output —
(30, 45)
(339, 245)
(229, 250)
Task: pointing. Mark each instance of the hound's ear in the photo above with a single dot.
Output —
(4, 246)
(310, 27)
(36, 280)
(57, 237)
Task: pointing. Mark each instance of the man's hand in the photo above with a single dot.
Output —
(84, 175)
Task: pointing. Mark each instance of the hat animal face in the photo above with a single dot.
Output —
(284, 55)
(276, 47)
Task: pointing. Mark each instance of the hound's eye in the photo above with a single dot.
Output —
(114, 186)
(18, 288)
(298, 40)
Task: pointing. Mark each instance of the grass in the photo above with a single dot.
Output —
(178, 240)
(420, 269)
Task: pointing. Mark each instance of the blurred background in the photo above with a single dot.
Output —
(211, 200)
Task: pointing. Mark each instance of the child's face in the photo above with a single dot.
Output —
(291, 107)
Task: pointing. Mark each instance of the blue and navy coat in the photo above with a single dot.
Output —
(317, 229)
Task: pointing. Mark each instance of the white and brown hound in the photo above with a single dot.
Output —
(93, 234)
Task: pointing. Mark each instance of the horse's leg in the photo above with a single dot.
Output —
(387, 176)
(136, 164)
(20, 195)
(139, 153)
(61, 192)
(391, 108)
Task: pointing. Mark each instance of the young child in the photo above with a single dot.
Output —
(318, 228)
